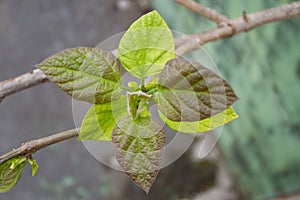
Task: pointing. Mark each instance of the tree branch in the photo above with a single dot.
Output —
(238, 25)
(184, 44)
(33, 146)
(22, 82)
(204, 11)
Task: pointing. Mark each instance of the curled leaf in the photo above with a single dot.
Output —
(137, 104)
(34, 166)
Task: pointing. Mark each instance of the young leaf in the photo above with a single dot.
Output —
(204, 125)
(137, 104)
(190, 92)
(100, 120)
(151, 86)
(138, 146)
(146, 46)
(10, 173)
(34, 166)
(133, 86)
(87, 74)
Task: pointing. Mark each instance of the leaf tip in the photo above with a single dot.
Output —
(146, 190)
(145, 186)
(34, 166)
(154, 12)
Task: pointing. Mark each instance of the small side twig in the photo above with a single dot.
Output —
(245, 17)
(204, 11)
(33, 146)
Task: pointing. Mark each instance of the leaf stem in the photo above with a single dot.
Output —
(143, 84)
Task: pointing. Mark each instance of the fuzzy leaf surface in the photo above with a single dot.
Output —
(87, 74)
(146, 46)
(138, 146)
(187, 91)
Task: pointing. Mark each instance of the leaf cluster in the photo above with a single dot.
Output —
(190, 98)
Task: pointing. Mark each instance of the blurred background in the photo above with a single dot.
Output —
(257, 156)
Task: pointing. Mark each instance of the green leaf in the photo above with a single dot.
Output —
(138, 146)
(151, 86)
(146, 46)
(10, 173)
(100, 120)
(204, 125)
(190, 92)
(87, 74)
(133, 86)
(34, 166)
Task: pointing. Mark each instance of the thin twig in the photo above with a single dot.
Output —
(183, 45)
(204, 11)
(22, 82)
(33, 146)
(238, 25)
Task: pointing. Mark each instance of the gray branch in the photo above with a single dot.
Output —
(204, 11)
(22, 82)
(33, 146)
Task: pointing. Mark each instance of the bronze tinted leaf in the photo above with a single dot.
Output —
(138, 146)
(190, 92)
